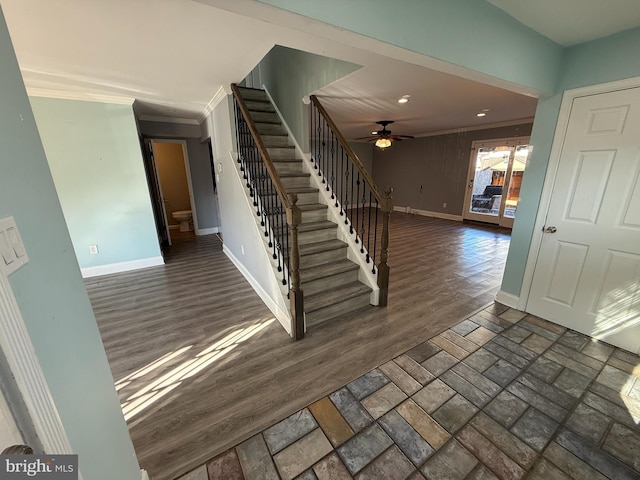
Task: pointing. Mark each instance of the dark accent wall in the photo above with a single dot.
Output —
(439, 163)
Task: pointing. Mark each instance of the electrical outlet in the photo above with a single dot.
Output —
(444, 205)
(93, 249)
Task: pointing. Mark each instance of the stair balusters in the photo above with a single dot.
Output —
(279, 215)
(354, 191)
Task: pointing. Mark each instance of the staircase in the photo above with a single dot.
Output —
(328, 278)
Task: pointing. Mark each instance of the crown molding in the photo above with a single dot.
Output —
(509, 123)
(86, 97)
(154, 118)
(213, 103)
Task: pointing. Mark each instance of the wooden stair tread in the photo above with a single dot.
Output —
(323, 246)
(312, 206)
(334, 295)
(278, 160)
(259, 106)
(294, 174)
(286, 160)
(270, 118)
(273, 134)
(302, 190)
(327, 270)
(321, 225)
(271, 124)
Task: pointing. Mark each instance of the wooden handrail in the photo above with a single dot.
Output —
(261, 148)
(349, 150)
(293, 217)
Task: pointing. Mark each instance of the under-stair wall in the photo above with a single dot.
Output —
(242, 239)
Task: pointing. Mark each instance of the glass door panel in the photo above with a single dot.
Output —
(488, 180)
(517, 170)
(495, 175)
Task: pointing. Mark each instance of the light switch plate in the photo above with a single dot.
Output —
(12, 252)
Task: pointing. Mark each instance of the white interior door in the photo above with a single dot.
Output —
(587, 275)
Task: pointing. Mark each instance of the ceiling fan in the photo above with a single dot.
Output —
(384, 137)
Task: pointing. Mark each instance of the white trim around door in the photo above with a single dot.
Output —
(552, 169)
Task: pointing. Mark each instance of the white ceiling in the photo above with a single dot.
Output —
(570, 22)
(173, 56)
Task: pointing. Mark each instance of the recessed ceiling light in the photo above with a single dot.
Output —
(404, 99)
(375, 132)
(481, 114)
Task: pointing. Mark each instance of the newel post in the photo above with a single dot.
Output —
(294, 217)
(383, 267)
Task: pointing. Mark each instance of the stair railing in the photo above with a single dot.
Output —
(354, 192)
(279, 215)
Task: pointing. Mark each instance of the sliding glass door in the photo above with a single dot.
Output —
(495, 175)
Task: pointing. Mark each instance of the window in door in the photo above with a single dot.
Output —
(495, 175)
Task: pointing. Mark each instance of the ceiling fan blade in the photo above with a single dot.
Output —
(368, 137)
(401, 137)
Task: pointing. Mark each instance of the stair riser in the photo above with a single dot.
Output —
(271, 129)
(315, 286)
(341, 309)
(265, 117)
(307, 198)
(282, 167)
(254, 106)
(288, 167)
(317, 235)
(283, 153)
(314, 215)
(251, 94)
(294, 182)
(320, 258)
(275, 141)
(303, 198)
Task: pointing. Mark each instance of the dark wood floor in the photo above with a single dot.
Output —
(200, 364)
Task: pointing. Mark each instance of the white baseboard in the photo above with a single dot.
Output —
(283, 317)
(428, 213)
(121, 267)
(507, 299)
(144, 475)
(207, 231)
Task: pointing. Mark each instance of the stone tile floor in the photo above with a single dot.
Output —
(500, 395)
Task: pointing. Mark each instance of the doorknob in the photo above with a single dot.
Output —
(550, 230)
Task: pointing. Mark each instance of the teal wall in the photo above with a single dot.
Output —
(469, 33)
(600, 61)
(612, 58)
(50, 292)
(96, 162)
(289, 75)
(477, 36)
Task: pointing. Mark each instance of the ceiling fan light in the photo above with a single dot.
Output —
(383, 143)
